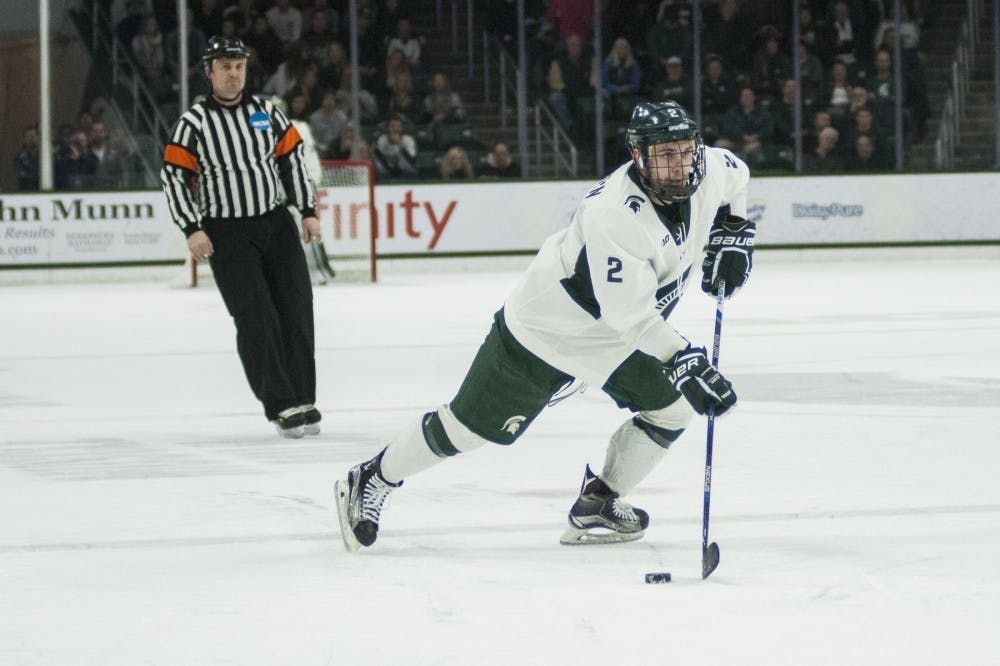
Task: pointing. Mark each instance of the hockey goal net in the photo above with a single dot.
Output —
(345, 206)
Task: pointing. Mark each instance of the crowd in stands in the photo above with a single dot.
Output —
(748, 92)
(412, 118)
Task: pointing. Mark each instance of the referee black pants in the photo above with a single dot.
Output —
(261, 272)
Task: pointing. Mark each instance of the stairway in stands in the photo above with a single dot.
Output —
(976, 147)
(443, 52)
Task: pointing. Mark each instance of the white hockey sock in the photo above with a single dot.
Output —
(631, 456)
(408, 454)
(411, 453)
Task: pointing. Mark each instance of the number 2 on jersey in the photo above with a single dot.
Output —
(614, 267)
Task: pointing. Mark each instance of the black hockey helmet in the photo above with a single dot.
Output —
(665, 122)
(224, 47)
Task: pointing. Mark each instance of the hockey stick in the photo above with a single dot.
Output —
(322, 261)
(710, 551)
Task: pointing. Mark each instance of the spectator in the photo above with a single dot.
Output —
(332, 65)
(285, 20)
(914, 81)
(107, 173)
(859, 99)
(332, 15)
(389, 16)
(572, 17)
(229, 28)
(257, 75)
(747, 126)
(883, 85)
(770, 66)
(820, 121)
(814, 34)
(366, 101)
(865, 158)
(75, 165)
(853, 23)
(127, 17)
(812, 74)
(132, 167)
(268, 45)
(455, 165)
(668, 38)
(328, 122)
(677, 86)
(242, 14)
(399, 85)
(783, 112)
(147, 46)
(727, 34)
(570, 82)
(195, 48)
(297, 109)
(395, 153)
(288, 73)
(442, 105)
(620, 79)
(825, 158)
(909, 32)
(317, 38)
(350, 146)
(208, 16)
(838, 92)
(26, 160)
(864, 125)
(308, 87)
(719, 91)
(502, 23)
(370, 56)
(499, 164)
(406, 42)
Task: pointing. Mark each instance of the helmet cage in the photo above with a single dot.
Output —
(657, 123)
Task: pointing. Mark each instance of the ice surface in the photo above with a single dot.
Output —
(149, 514)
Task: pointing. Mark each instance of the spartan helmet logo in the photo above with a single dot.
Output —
(634, 202)
(513, 424)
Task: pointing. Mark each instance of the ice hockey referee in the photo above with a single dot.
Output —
(232, 160)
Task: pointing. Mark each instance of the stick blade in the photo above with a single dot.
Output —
(709, 560)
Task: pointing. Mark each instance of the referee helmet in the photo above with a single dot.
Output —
(224, 47)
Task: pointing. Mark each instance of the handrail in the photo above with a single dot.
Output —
(547, 128)
(554, 136)
(962, 65)
(124, 67)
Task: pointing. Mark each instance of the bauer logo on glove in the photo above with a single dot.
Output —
(699, 382)
(729, 256)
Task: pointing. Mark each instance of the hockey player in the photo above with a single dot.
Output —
(594, 305)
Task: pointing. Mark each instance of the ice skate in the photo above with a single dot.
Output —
(360, 498)
(599, 516)
(290, 423)
(311, 417)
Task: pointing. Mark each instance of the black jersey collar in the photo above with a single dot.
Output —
(215, 104)
(675, 216)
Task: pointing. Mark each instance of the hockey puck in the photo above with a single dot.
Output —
(658, 577)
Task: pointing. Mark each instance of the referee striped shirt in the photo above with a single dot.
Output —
(234, 162)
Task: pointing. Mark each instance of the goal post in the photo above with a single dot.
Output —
(345, 205)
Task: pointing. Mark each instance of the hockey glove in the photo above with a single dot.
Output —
(705, 388)
(729, 256)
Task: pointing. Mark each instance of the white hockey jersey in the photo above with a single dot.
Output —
(604, 286)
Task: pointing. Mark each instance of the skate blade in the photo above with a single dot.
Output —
(290, 433)
(311, 430)
(342, 492)
(577, 537)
